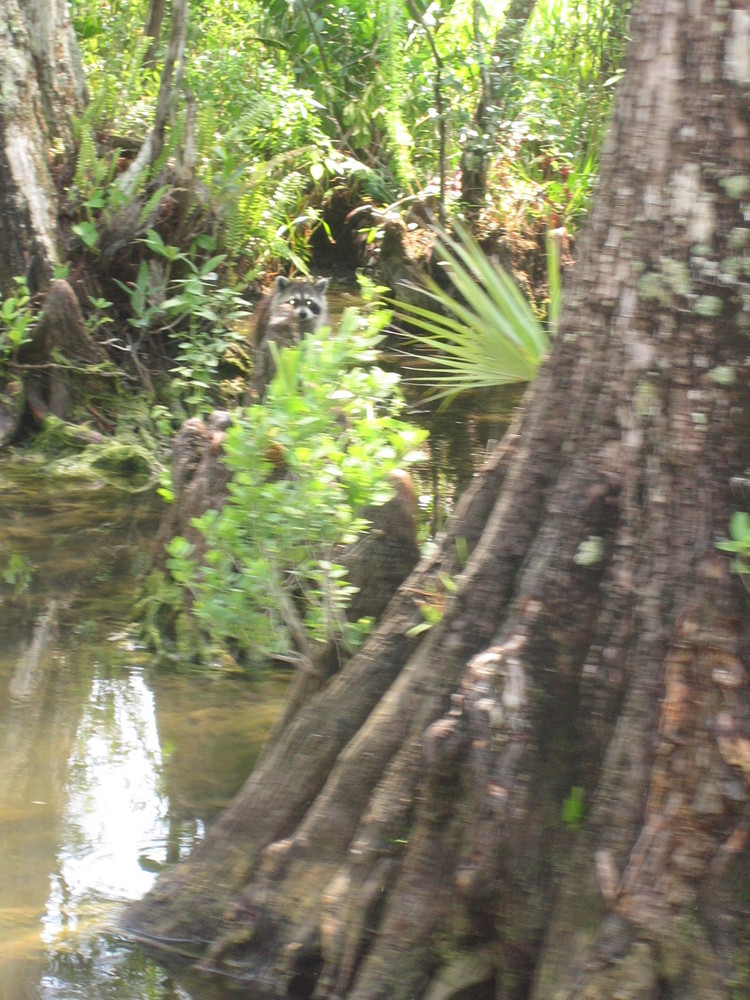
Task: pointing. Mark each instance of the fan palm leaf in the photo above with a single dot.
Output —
(489, 335)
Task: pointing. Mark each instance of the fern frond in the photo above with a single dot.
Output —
(394, 69)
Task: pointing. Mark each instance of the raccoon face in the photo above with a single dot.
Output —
(306, 298)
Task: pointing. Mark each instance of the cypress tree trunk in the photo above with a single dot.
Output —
(43, 90)
(547, 794)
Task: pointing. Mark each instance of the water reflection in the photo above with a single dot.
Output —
(115, 763)
(106, 773)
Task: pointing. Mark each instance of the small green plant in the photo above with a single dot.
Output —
(94, 188)
(739, 545)
(574, 808)
(16, 319)
(17, 574)
(304, 463)
(184, 302)
(490, 335)
(100, 316)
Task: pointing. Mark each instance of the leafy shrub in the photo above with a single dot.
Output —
(183, 302)
(270, 582)
(16, 319)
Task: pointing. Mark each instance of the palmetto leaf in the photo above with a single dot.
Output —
(490, 336)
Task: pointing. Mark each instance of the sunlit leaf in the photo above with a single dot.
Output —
(487, 334)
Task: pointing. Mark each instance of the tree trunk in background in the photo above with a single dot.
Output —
(546, 795)
(154, 19)
(43, 90)
(169, 92)
(488, 112)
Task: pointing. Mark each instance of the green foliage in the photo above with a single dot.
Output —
(297, 102)
(16, 319)
(99, 317)
(261, 165)
(573, 808)
(298, 99)
(17, 574)
(558, 104)
(303, 464)
(739, 543)
(489, 336)
(113, 47)
(396, 84)
(95, 192)
(184, 302)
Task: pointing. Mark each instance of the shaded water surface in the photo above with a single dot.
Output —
(107, 771)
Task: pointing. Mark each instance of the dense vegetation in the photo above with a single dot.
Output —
(268, 579)
(301, 104)
(298, 128)
(298, 133)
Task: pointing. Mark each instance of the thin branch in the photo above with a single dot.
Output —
(439, 106)
(174, 63)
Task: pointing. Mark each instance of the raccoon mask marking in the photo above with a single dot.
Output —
(306, 298)
(292, 309)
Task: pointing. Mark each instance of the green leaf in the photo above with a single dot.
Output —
(488, 336)
(573, 810)
(739, 526)
(87, 232)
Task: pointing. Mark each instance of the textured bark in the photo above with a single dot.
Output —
(154, 19)
(199, 481)
(60, 361)
(403, 836)
(169, 89)
(43, 90)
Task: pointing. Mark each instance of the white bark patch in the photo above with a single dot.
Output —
(640, 352)
(689, 201)
(737, 47)
(661, 74)
(19, 151)
(13, 69)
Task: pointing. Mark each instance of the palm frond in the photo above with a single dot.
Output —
(487, 336)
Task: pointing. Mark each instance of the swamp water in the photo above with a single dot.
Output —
(108, 771)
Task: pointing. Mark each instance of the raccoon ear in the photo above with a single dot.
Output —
(282, 283)
(322, 284)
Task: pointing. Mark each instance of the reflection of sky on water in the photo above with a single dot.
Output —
(115, 827)
(91, 808)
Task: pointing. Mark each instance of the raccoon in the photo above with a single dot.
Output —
(292, 309)
(307, 309)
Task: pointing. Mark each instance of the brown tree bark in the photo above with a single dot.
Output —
(169, 89)
(65, 368)
(404, 836)
(43, 90)
(154, 19)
